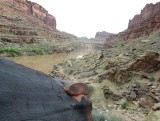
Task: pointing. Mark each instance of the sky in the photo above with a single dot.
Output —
(84, 18)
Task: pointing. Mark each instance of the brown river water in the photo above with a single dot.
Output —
(45, 63)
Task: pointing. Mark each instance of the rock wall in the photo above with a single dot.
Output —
(34, 10)
(142, 25)
(145, 23)
(149, 11)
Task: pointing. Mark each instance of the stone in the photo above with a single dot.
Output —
(146, 102)
(146, 63)
(156, 106)
(133, 95)
(27, 94)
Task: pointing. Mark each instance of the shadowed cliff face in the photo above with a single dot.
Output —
(28, 95)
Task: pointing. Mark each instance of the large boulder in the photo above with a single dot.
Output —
(29, 95)
(147, 63)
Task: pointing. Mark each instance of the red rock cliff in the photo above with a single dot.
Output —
(25, 21)
(145, 23)
(142, 25)
(35, 10)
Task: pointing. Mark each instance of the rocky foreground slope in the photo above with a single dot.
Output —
(22, 21)
(127, 73)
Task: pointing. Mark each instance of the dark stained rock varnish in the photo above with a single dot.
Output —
(28, 95)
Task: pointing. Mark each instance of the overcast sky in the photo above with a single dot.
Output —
(86, 17)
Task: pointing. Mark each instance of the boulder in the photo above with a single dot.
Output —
(29, 95)
(147, 63)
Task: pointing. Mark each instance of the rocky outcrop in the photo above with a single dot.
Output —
(102, 35)
(30, 95)
(146, 63)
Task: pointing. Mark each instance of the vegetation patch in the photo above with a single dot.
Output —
(124, 105)
(21, 51)
(11, 51)
(37, 51)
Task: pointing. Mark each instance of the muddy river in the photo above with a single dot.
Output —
(44, 63)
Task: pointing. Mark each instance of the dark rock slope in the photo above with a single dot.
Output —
(28, 95)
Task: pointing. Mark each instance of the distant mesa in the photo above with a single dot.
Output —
(103, 35)
(83, 38)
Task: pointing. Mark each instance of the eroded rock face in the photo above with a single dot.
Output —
(35, 10)
(142, 25)
(145, 23)
(33, 96)
(22, 21)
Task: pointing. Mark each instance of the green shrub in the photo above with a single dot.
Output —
(124, 105)
(11, 51)
(37, 51)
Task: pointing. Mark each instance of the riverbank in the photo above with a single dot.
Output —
(8, 49)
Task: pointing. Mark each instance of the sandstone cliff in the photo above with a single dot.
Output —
(26, 21)
(29, 8)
